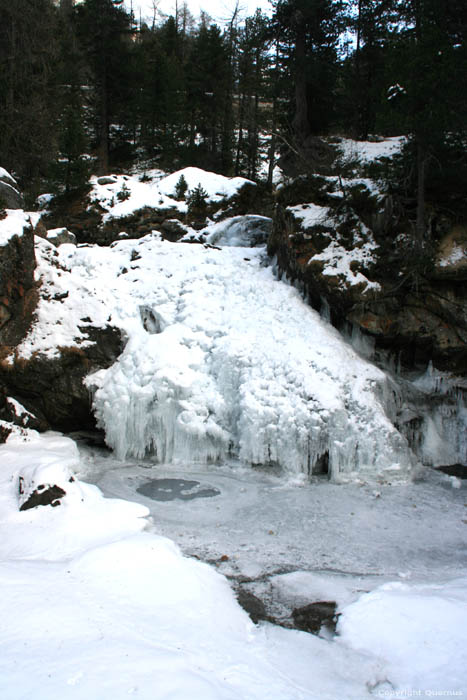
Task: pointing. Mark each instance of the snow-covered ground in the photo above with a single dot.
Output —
(93, 607)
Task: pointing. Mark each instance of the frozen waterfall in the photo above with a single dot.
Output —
(225, 361)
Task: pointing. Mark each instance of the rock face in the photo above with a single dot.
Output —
(350, 264)
(52, 387)
(18, 296)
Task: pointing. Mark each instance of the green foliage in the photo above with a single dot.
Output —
(197, 202)
(181, 188)
(124, 193)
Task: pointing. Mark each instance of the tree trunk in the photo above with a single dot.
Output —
(66, 7)
(421, 179)
(300, 123)
(103, 135)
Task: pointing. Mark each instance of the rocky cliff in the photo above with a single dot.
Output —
(341, 240)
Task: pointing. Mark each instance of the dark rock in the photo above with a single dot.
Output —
(107, 180)
(252, 605)
(417, 317)
(18, 294)
(21, 418)
(5, 432)
(10, 197)
(43, 495)
(172, 230)
(312, 617)
(52, 387)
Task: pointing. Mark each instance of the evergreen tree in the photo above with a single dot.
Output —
(28, 52)
(429, 67)
(252, 63)
(104, 29)
(207, 91)
(364, 72)
(309, 32)
(73, 168)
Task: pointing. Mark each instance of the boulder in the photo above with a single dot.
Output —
(44, 485)
(314, 616)
(59, 236)
(43, 495)
(10, 197)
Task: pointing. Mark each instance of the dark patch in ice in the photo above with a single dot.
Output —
(151, 321)
(171, 489)
(459, 470)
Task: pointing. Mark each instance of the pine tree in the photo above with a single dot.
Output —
(364, 72)
(309, 32)
(430, 65)
(252, 63)
(104, 29)
(28, 88)
(207, 91)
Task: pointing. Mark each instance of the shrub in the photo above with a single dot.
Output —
(181, 188)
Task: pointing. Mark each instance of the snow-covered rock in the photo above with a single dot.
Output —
(10, 196)
(59, 236)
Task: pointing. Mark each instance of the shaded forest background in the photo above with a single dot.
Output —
(87, 88)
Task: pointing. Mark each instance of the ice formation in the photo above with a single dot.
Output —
(225, 361)
(441, 437)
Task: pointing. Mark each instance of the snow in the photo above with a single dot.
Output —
(66, 301)
(122, 195)
(216, 186)
(368, 151)
(92, 606)
(5, 176)
(310, 214)
(337, 262)
(457, 254)
(399, 622)
(222, 360)
(225, 368)
(14, 223)
(241, 366)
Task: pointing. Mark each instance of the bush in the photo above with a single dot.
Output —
(196, 200)
(124, 193)
(181, 188)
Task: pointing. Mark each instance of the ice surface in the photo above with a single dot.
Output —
(246, 231)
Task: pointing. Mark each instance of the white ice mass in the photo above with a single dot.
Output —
(223, 360)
